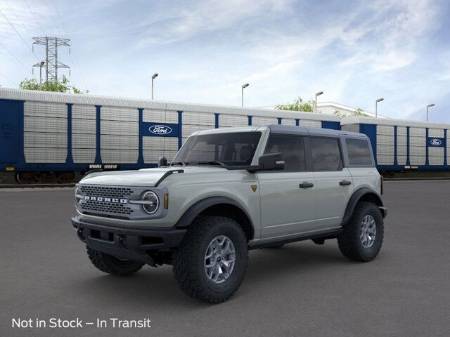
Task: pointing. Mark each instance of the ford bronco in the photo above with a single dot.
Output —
(230, 190)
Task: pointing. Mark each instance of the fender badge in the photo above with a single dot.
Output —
(254, 187)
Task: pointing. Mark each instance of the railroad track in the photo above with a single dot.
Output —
(35, 185)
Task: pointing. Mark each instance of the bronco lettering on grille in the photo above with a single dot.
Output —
(106, 200)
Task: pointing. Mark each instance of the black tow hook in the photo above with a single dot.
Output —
(81, 234)
(121, 240)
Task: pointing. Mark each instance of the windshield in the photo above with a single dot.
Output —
(225, 149)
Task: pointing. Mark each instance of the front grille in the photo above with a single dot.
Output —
(104, 207)
(112, 206)
(108, 192)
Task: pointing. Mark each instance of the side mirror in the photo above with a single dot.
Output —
(270, 161)
(163, 162)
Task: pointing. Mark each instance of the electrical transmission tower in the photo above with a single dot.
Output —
(51, 62)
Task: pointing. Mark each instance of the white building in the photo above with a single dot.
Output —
(341, 110)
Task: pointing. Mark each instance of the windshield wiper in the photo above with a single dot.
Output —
(211, 162)
(175, 163)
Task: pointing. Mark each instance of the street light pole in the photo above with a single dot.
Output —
(381, 99)
(315, 99)
(155, 75)
(245, 85)
(40, 71)
(428, 108)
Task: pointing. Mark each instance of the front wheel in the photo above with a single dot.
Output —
(211, 261)
(362, 237)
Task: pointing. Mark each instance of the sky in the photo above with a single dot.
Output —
(354, 51)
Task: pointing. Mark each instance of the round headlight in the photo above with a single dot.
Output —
(150, 202)
(78, 196)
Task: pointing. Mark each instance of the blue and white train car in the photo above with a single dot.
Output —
(57, 136)
(401, 145)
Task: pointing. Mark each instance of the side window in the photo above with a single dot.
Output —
(292, 148)
(325, 154)
(358, 152)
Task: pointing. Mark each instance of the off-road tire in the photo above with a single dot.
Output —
(189, 269)
(349, 240)
(112, 265)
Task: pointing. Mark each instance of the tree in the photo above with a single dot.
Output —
(360, 112)
(60, 86)
(297, 105)
(357, 112)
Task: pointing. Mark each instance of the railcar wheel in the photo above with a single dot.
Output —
(26, 178)
(65, 177)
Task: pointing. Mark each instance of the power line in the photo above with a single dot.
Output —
(6, 78)
(34, 15)
(15, 29)
(51, 62)
(57, 23)
(58, 14)
(26, 27)
(40, 64)
(12, 55)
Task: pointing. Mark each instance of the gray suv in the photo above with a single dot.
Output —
(228, 191)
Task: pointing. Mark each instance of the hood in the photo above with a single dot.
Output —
(143, 177)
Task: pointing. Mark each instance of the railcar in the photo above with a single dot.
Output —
(404, 145)
(56, 137)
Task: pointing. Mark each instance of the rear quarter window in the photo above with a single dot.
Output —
(359, 152)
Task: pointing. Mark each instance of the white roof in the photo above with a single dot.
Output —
(351, 110)
(336, 105)
(87, 99)
(398, 122)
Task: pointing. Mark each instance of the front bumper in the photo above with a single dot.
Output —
(132, 244)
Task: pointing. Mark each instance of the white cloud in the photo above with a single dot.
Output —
(178, 24)
(382, 38)
(370, 48)
(395, 29)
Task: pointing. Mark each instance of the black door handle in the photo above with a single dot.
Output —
(306, 184)
(345, 182)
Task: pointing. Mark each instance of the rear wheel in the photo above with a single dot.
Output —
(362, 238)
(113, 265)
(211, 261)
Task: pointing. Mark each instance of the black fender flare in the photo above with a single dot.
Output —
(356, 197)
(197, 208)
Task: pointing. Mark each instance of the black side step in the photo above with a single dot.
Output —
(326, 234)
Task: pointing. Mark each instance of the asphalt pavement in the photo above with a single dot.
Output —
(300, 290)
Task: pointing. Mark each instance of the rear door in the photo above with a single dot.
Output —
(286, 207)
(333, 182)
(9, 131)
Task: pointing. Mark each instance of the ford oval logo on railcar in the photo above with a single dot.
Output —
(160, 130)
(436, 142)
